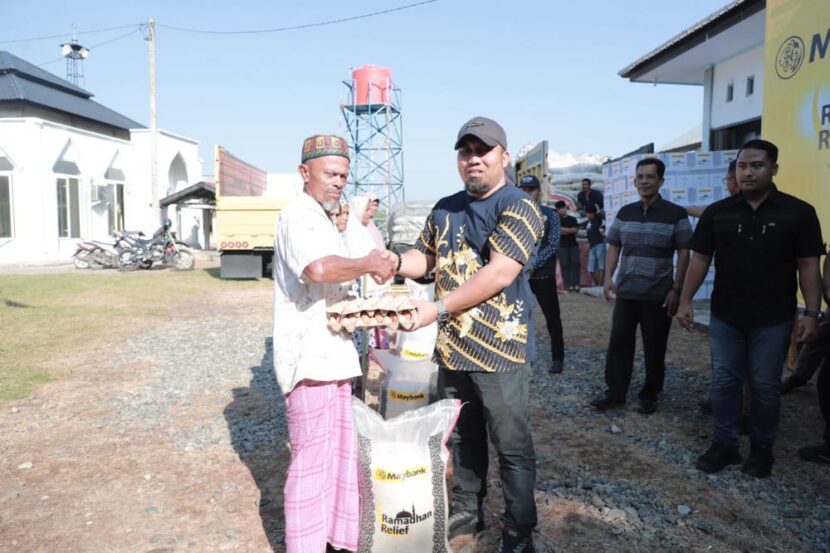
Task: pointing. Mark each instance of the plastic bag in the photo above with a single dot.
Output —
(418, 344)
(407, 383)
(403, 487)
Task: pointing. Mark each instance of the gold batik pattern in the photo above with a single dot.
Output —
(493, 335)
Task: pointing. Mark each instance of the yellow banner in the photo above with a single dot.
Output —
(797, 99)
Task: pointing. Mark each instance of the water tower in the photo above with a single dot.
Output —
(373, 119)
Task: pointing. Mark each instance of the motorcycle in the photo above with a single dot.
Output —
(162, 247)
(94, 254)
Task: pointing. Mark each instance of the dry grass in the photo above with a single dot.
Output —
(49, 320)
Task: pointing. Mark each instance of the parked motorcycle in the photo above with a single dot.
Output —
(94, 254)
(162, 247)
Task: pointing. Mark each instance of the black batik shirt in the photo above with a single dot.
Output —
(461, 232)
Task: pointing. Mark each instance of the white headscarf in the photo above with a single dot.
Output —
(362, 239)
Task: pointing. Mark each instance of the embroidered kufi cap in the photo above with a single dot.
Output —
(321, 145)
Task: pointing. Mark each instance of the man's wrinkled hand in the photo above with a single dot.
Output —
(383, 265)
(807, 329)
(685, 315)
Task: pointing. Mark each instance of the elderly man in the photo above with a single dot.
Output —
(313, 365)
(480, 241)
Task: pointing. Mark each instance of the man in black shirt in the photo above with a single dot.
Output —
(568, 248)
(481, 241)
(762, 240)
(588, 196)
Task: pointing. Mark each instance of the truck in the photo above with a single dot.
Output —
(245, 217)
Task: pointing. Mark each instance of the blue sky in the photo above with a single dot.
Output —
(545, 70)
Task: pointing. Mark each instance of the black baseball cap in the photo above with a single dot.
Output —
(486, 130)
(529, 181)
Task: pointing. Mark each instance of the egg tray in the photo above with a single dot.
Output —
(390, 311)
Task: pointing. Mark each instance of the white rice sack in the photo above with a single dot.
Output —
(407, 384)
(403, 486)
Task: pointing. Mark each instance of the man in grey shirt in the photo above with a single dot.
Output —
(643, 239)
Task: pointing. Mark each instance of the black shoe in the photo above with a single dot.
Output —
(718, 457)
(759, 462)
(514, 541)
(556, 366)
(606, 402)
(816, 453)
(791, 383)
(464, 522)
(647, 406)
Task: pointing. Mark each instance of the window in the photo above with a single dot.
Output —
(69, 211)
(750, 85)
(115, 198)
(5, 207)
(730, 92)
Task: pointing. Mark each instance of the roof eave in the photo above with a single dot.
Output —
(697, 34)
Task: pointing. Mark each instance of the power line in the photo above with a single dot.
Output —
(63, 35)
(296, 27)
(125, 35)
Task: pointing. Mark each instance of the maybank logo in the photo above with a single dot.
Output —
(793, 52)
(382, 475)
(790, 57)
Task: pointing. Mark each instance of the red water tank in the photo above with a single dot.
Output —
(373, 85)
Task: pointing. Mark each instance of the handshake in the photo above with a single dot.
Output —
(382, 265)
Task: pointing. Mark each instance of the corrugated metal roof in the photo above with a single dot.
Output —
(11, 63)
(687, 34)
(22, 81)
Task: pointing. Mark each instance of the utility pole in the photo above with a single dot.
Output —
(151, 41)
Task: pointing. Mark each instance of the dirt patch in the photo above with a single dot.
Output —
(176, 442)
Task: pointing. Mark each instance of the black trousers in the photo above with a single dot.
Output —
(654, 324)
(494, 403)
(569, 261)
(545, 291)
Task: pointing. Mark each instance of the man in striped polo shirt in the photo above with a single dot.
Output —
(642, 241)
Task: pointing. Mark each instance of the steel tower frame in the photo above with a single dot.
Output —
(375, 145)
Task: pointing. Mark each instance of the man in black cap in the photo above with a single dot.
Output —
(543, 274)
(481, 242)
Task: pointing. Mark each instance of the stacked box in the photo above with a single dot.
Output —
(691, 179)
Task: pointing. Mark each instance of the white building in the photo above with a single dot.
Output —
(724, 53)
(71, 168)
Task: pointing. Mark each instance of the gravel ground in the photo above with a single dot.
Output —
(173, 439)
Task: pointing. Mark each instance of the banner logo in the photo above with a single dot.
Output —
(790, 57)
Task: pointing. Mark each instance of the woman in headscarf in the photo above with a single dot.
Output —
(362, 236)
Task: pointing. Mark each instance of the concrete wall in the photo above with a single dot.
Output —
(735, 71)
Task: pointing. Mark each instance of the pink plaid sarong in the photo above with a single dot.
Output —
(321, 495)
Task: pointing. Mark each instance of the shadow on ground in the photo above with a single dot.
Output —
(256, 422)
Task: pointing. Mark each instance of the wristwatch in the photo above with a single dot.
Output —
(443, 314)
(814, 314)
